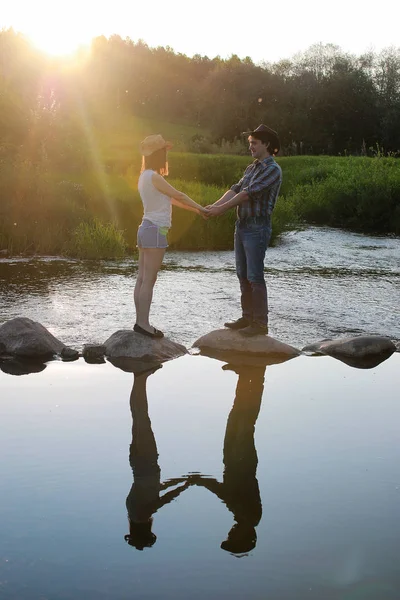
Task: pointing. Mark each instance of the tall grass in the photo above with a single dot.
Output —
(54, 213)
(361, 194)
(96, 240)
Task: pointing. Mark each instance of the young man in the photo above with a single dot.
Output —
(254, 196)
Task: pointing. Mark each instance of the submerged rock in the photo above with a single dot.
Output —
(364, 351)
(23, 338)
(126, 343)
(229, 345)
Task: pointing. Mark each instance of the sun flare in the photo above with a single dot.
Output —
(57, 42)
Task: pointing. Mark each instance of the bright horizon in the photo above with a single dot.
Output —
(219, 28)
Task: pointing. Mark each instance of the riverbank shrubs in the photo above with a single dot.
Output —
(361, 194)
(45, 212)
(96, 240)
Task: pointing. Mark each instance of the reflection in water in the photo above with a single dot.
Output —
(23, 366)
(144, 497)
(239, 489)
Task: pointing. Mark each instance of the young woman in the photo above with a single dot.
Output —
(157, 197)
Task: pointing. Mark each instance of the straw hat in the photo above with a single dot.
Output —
(152, 143)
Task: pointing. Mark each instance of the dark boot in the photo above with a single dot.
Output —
(255, 329)
(238, 324)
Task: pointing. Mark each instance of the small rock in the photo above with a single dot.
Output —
(364, 351)
(68, 354)
(93, 353)
(126, 343)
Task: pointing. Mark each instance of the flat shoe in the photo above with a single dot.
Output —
(156, 332)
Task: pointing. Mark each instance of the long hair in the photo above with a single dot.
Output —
(156, 162)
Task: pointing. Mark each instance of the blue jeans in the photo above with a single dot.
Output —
(252, 237)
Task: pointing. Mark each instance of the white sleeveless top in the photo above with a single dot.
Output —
(157, 206)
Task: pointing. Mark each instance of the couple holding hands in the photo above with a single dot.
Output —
(254, 198)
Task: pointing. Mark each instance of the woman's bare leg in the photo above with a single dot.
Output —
(152, 260)
(139, 281)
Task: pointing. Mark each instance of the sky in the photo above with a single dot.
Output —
(268, 31)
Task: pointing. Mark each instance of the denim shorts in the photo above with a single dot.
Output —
(150, 235)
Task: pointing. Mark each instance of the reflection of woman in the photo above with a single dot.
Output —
(144, 497)
(239, 489)
(157, 196)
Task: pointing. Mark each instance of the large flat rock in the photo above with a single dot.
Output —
(126, 343)
(23, 338)
(235, 347)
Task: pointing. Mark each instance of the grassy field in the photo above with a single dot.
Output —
(95, 212)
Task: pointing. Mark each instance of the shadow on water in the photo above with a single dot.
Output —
(239, 489)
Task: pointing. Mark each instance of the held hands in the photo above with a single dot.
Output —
(203, 212)
(214, 211)
(211, 211)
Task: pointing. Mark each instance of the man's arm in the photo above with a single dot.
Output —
(227, 196)
(224, 204)
(262, 180)
(233, 192)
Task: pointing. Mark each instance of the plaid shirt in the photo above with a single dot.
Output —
(262, 181)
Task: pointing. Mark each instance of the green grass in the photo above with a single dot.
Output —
(357, 193)
(44, 212)
(96, 240)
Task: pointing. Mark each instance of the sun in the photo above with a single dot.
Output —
(58, 42)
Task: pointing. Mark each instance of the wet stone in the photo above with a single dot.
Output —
(365, 351)
(25, 338)
(69, 354)
(94, 353)
(126, 343)
(226, 341)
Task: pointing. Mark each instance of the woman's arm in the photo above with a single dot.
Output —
(180, 205)
(182, 200)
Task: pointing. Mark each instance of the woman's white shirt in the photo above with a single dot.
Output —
(157, 206)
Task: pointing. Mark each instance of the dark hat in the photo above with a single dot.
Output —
(266, 133)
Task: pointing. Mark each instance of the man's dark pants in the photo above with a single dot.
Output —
(252, 237)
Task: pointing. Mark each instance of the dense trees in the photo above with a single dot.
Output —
(322, 101)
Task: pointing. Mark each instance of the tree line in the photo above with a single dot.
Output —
(322, 101)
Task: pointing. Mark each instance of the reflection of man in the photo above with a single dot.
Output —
(239, 489)
(254, 196)
(144, 497)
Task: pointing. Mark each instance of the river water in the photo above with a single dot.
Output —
(321, 282)
(205, 479)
